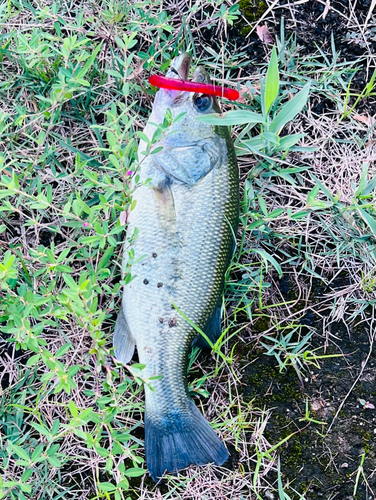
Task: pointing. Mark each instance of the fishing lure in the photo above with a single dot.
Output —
(204, 88)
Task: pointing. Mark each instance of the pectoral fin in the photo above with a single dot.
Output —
(123, 342)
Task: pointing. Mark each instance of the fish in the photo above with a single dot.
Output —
(181, 234)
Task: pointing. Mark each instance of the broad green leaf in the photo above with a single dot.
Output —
(37, 453)
(73, 408)
(276, 213)
(299, 215)
(272, 81)
(113, 73)
(63, 349)
(20, 452)
(289, 141)
(26, 475)
(101, 451)
(69, 281)
(290, 110)
(33, 360)
(134, 472)
(55, 462)
(143, 137)
(269, 136)
(263, 206)
(238, 117)
(25, 487)
(41, 429)
(55, 426)
(107, 486)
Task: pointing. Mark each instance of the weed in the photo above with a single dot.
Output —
(73, 105)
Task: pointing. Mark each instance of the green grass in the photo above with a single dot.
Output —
(74, 98)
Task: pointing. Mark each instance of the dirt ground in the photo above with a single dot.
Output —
(322, 458)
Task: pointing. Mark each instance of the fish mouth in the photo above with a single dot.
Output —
(180, 67)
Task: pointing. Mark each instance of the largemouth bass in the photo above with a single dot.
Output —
(186, 217)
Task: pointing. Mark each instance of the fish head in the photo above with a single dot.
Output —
(187, 105)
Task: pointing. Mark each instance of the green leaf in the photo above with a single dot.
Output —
(20, 452)
(250, 145)
(107, 486)
(42, 429)
(55, 462)
(263, 205)
(138, 366)
(363, 180)
(367, 218)
(89, 62)
(63, 349)
(323, 188)
(289, 141)
(290, 110)
(143, 137)
(23, 463)
(312, 195)
(272, 81)
(88, 240)
(276, 213)
(37, 452)
(25, 487)
(55, 427)
(102, 452)
(299, 215)
(113, 73)
(271, 137)
(73, 408)
(70, 281)
(33, 360)
(269, 258)
(238, 117)
(134, 472)
(26, 475)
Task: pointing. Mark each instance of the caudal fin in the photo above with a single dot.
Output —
(182, 438)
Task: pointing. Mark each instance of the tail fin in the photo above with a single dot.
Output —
(182, 438)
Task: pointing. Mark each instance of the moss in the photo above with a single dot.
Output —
(261, 324)
(252, 10)
(366, 439)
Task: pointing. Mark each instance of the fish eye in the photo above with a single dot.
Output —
(203, 102)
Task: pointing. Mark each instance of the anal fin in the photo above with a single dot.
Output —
(213, 331)
(123, 341)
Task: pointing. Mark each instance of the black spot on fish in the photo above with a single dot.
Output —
(154, 255)
(161, 320)
(172, 322)
(159, 285)
(146, 281)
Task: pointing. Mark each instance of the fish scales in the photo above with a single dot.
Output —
(186, 220)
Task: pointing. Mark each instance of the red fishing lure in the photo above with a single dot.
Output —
(204, 88)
